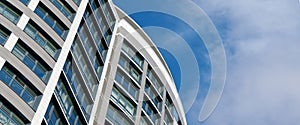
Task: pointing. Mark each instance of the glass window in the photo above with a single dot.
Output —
(130, 69)
(52, 21)
(31, 31)
(66, 101)
(29, 61)
(134, 55)
(6, 77)
(103, 17)
(4, 34)
(115, 116)
(77, 88)
(153, 78)
(17, 84)
(83, 65)
(64, 8)
(26, 2)
(153, 95)
(32, 61)
(42, 40)
(127, 84)
(9, 12)
(94, 4)
(94, 32)
(27, 96)
(168, 119)
(175, 114)
(77, 2)
(91, 50)
(151, 112)
(53, 116)
(40, 71)
(169, 102)
(7, 117)
(100, 20)
(143, 121)
(123, 102)
(106, 11)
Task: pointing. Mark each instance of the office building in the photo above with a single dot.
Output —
(81, 62)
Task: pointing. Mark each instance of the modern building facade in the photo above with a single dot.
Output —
(81, 62)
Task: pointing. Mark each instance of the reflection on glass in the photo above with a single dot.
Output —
(115, 116)
(134, 55)
(26, 2)
(151, 112)
(77, 88)
(127, 84)
(51, 21)
(17, 84)
(31, 61)
(87, 73)
(41, 40)
(123, 102)
(52, 115)
(66, 102)
(9, 12)
(3, 35)
(154, 80)
(7, 117)
(130, 69)
(77, 2)
(66, 10)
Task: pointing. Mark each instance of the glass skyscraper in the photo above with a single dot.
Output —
(79, 62)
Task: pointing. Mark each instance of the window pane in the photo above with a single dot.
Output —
(11, 16)
(53, 118)
(76, 85)
(40, 72)
(40, 12)
(19, 52)
(30, 31)
(2, 7)
(29, 62)
(50, 19)
(16, 87)
(50, 49)
(77, 2)
(28, 57)
(65, 10)
(58, 29)
(25, 1)
(123, 102)
(88, 76)
(8, 12)
(3, 117)
(3, 36)
(7, 117)
(40, 40)
(6, 78)
(27, 97)
(12, 122)
(119, 78)
(65, 100)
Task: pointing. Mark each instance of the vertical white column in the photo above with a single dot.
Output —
(104, 73)
(2, 61)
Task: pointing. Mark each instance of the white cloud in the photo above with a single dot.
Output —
(263, 80)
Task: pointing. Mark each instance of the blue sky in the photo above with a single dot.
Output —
(261, 40)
